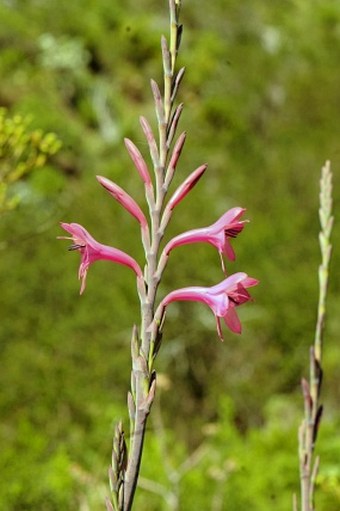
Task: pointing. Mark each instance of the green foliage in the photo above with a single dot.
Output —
(21, 151)
(229, 470)
(261, 96)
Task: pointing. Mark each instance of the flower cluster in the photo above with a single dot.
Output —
(222, 298)
(164, 155)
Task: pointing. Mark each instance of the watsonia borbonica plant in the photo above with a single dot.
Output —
(223, 298)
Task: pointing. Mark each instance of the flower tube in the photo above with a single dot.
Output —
(91, 251)
(222, 299)
(217, 234)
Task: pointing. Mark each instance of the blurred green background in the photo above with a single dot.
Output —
(262, 104)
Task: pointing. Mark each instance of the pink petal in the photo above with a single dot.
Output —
(229, 217)
(231, 319)
(250, 282)
(228, 250)
(240, 295)
(78, 232)
(228, 284)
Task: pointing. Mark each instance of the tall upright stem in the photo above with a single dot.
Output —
(143, 376)
(309, 464)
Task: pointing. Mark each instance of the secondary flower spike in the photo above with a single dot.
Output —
(222, 299)
(92, 251)
(217, 234)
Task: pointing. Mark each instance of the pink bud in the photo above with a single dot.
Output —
(174, 123)
(157, 96)
(138, 160)
(175, 156)
(150, 140)
(124, 199)
(186, 186)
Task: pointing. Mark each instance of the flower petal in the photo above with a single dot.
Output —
(229, 217)
(228, 250)
(228, 284)
(232, 321)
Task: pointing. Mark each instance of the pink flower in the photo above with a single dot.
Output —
(222, 299)
(92, 251)
(217, 234)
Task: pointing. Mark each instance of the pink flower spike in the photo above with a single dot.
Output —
(124, 199)
(92, 251)
(217, 234)
(222, 299)
(138, 160)
(186, 186)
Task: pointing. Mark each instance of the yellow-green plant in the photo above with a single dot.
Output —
(21, 151)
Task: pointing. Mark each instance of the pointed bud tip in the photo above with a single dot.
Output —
(105, 182)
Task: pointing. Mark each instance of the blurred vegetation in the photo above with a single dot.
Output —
(21, 152)
(261, 96)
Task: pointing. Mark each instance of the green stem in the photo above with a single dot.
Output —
(309, 428)
(142, 393)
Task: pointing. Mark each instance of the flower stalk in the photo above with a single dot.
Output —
(222, 298)
(308, 431)
(143, 376)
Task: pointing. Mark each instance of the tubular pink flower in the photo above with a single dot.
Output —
(222, 299)
(124, 199)
(217, 234)
(138, 160)
(92, 251)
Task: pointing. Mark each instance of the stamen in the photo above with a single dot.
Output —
(76, 246)
(233, 231)
(234, 300)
